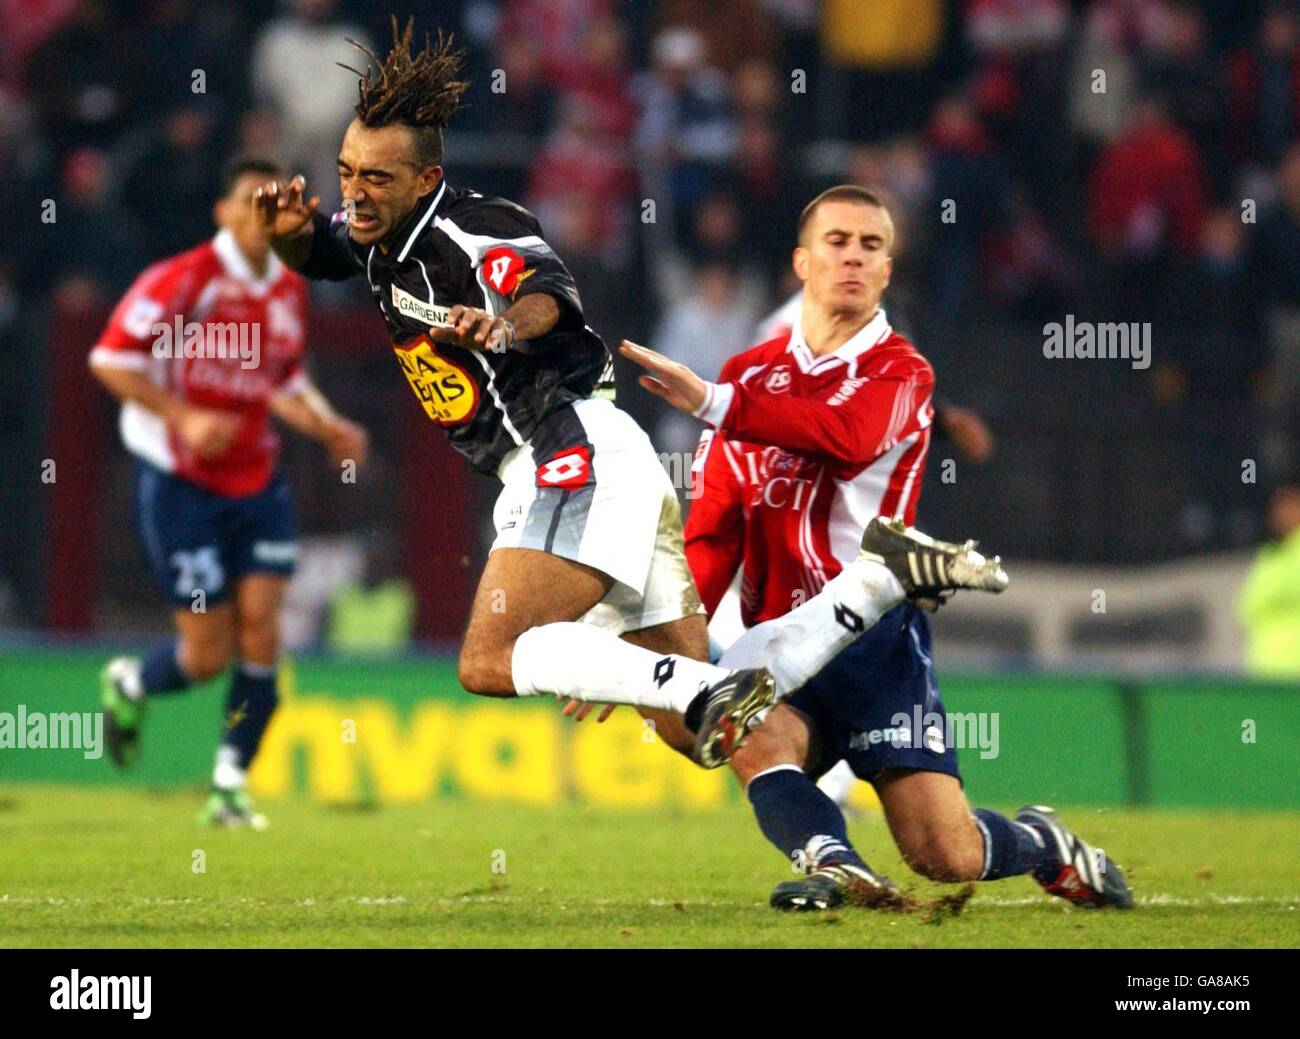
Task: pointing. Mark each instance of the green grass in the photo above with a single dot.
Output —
(96, 867)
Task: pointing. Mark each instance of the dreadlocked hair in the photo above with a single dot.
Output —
(420, 92)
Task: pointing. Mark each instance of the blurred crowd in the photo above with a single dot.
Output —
(1122, 160)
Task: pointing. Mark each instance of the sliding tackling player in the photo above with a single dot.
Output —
(818, 433)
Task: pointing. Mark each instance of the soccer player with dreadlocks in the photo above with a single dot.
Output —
(586, 592)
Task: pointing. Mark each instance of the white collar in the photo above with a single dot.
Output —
(237, 265)
(874, 332)
(420, 224)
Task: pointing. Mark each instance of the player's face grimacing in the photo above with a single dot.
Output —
(843, 258)
(381, 179)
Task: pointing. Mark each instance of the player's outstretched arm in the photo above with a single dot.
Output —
(284, 215)
(671, 380)
(207, 431)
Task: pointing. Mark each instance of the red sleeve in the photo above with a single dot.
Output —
(157, 296)
(715, 527)
(857, 424)
(294, 373)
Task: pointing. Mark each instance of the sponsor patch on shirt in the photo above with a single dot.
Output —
(420, 310)
(446, 390)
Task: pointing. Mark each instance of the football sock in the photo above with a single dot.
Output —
(798, 818)
(577, 660)
(1012, 848)
(161, 671)
(250, 702)
(794, 647)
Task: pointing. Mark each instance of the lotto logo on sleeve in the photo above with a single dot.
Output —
(568, 469)
(502, 267)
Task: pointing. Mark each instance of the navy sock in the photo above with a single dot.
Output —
(250, 702)
(798, 817)
(1012, 848)
(161, 672)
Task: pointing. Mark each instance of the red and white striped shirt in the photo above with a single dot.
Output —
(258, 324)
(806, 451)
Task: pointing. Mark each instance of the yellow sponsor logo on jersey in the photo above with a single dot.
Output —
(447, 391)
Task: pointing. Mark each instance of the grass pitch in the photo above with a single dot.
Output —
(91, 868)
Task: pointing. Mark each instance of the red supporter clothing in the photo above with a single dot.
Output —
(254, 332)
(809, 451)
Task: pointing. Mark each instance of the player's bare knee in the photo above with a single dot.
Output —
(763, 749)
(258, 640)
(484, 673)
(205, 659)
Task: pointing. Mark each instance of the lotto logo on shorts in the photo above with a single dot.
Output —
(568, 469)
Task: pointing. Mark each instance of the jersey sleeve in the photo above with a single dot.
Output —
(294, 375)
(156, 297)
(332, 257)
(511, 259)
(715, 526)
(856, 425)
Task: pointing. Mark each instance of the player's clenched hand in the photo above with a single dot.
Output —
(579, 709)
(672, 381)
(474, 329)
(280, 209)
(346, 442)
(206, 431)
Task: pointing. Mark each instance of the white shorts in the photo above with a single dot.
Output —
(589, 487)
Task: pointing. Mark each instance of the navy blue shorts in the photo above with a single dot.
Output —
(877, 704)
(195, 539)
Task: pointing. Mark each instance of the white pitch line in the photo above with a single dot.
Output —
(978, 901)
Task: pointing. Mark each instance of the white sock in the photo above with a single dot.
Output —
(590, 664)
(796, 646)
(226, 773)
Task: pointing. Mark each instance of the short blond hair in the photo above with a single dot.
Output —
(845, 193)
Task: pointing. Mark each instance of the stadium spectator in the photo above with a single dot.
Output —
(90, 242)
(1104, 76)
(735, 32)
(968, 172)
(876, 80)
(526, 106)
(1019, 45)
(701, 331)
(1146, 197)
(1275, 278)
(86, 79)
(176, 165)
(582, 169)
(1192, 81)
(688, 130)
(1269, 603)
(1265, 79)
(295, 71)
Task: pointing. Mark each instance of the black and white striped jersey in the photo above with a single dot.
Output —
(458, 246)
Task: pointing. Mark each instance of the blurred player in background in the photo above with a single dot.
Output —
(201, 350)
(817, 434)
(586, 592)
